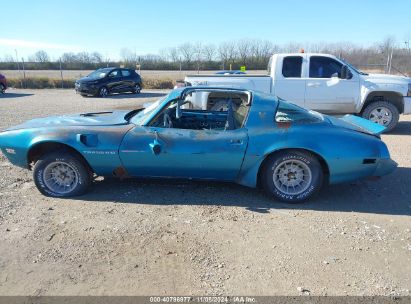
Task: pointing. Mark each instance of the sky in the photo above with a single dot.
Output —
(149, 26)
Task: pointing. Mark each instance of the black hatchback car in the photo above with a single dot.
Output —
(105, 81)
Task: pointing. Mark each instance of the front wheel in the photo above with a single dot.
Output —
(103, 92)
(2, 88)
(292, 176)
(383, 113)
(61, 174)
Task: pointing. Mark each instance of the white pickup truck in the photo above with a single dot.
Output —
(323, 83)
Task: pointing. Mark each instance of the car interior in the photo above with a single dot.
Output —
(230, 113)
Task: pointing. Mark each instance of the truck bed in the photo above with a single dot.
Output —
(261, 83)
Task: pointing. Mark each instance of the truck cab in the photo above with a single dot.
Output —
(327, 84)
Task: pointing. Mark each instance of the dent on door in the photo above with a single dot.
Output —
(208, 154)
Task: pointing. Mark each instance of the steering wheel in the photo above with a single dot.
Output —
(167, 122)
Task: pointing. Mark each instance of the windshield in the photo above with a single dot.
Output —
(353, 68)
(141, 116)
(98, 74)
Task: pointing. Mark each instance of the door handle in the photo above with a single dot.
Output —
(313, 84)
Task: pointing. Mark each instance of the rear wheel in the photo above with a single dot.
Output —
(137, 89)
(2, 88)
(292, 176)
(383, 113)
(61, 174)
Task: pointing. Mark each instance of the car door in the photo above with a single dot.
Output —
(289, 83)
(127, 80)
(114, 81)
(199, 154)
(198, 144)
(326, 91)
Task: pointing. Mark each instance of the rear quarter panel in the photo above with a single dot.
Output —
(342, 150)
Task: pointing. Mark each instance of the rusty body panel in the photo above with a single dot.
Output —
(116, 145)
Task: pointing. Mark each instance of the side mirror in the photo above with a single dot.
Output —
(345, 73)
(155, 147)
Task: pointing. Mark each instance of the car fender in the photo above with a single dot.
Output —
(341, 151)
(393, 93)
(100, 152)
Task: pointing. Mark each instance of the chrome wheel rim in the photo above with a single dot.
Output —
(60, 177)
(103, 92)
(292, 177)
(381, 115)
(137, 88)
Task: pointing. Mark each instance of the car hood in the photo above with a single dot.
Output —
(384, 78)
(356, 123)
(87, 79)
(84, 119)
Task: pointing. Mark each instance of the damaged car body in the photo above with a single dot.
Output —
(252, 139)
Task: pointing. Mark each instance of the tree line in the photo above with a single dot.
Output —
(252, 53)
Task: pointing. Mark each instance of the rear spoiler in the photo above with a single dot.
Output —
(363, 125)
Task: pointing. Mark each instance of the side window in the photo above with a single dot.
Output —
(288, 112)
(230, 116)
(114, 74)
(125, 73)
(323, 67)
(292, 66)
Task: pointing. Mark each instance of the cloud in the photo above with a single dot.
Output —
(15, 43)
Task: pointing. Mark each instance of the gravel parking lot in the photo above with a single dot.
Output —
(195, 238)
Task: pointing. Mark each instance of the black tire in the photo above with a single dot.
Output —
(2, 88)
(137, 89)
(369, 111)
(302, 160)
(103, 92)
(76, 165)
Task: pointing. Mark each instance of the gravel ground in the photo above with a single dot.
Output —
(173, 238)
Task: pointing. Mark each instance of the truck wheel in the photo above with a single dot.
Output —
(61, 174)
(292, 176)
(383, 113)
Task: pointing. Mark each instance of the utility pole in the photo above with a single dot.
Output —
(61, 74)
(390, 61)
(24, 71)
(18, 67)
(17, 61)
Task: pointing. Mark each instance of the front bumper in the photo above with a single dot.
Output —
(407, 105)
(385, 166)
(85, 89)
(16, 156)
